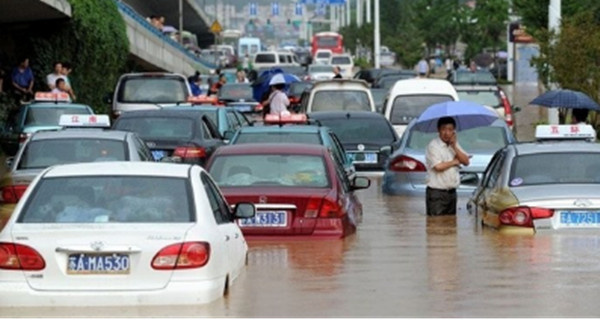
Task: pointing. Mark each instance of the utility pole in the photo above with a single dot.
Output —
(181, 21)
(368, 11)
(358, 13)
(348, 17)
(554, 16)
(377, 36)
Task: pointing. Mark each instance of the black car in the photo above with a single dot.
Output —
(175, 132)
(370, 75)
(240, 97)
(387, 80)
(295, 93)
(367, 137)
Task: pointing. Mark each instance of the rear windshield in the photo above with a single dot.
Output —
(49, 116)
(40, 154)
(361, 130)
(327, 42)
(236, 93)
(265, 58)
(341, 60)
(297, 88)
(114, 199)
(481, 77)
(406, 108)
(555, 168)
(270, 170)
(320, 68)
(278, 137)
(324, 54)
(166, 128)
(152, 90)
(486, 98)
(471, 140)
(348, 100)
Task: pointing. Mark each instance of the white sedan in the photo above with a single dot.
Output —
(121, 233)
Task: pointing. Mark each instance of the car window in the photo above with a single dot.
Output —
(486, 98)
(242, 119)
(151, 89)
(285, 170)
(109, 199)
(232, 120)
(361, 130)
(489, 168)
(277, 137)
(555, 168)
(495, 171)
(265, 58)
(471, 140)
(341, 60)
(49, 116)
(141, 149)
(48, 152)
(338, 150)
(347, 100)
(174, 128)
(408, 107)
(217, 203)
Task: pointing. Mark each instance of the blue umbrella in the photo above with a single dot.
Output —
(261, 85)
(466, 114)
(565, 98)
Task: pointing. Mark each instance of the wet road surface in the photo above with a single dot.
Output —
(401, 263)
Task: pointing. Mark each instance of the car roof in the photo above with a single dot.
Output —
(80, 133)
(343, 83)
(272, 148)
(345, 115)
(285, 128)
(568, 146)
(119, 168)
(423, 86)
(170, 111)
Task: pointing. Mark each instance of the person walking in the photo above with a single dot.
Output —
(338, 73)
(278, 100)
(423, 68)
(443, 158)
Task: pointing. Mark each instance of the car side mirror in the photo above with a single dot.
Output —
(469, 179)
(228, 135)
(108, 98)
(9, 162)
(170, 159)
(359, 183)
(386, 151)
(244, 210)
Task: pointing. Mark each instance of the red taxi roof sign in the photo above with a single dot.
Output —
(286, 119)
(84, 121)
(565, 132)
(52, 97)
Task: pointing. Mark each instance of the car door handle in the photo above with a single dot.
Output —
(227, 237)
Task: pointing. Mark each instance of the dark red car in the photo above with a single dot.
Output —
(298, 190)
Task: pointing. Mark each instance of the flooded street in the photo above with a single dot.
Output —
(401, 263)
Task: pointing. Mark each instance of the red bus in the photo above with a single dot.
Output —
(327, 40)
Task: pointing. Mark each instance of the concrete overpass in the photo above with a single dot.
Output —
(15, 11)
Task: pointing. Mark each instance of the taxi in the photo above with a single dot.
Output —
(294, 128)
(82, 139)
(552, 184)
(298, 189)
(42, 114)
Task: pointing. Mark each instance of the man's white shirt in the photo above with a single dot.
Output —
(437, 152)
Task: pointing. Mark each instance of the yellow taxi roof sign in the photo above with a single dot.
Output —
(216, 27)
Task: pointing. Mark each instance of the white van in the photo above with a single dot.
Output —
(322, 56)
(346, 64)
(269, 59)
(339, 95)
(408, 98)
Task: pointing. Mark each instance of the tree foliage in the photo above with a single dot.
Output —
(94, 40)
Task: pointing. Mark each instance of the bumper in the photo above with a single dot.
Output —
(395, 184)
(324, 229)
(19, 294)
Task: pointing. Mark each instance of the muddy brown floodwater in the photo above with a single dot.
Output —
(402, 264)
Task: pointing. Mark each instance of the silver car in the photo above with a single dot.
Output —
(537, 186)
(405, 171)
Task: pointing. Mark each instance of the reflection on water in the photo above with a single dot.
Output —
(402, 263)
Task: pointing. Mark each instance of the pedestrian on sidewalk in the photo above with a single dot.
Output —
(443, 157)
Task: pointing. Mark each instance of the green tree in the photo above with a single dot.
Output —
(484, 26)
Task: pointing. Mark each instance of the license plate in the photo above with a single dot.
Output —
(243, 108)
(82, 263)
(580, 219)
(266, 219)
(360, 157)
(158, 154)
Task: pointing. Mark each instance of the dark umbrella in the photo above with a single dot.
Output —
(565, 98)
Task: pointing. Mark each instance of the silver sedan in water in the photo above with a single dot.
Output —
(405, 171)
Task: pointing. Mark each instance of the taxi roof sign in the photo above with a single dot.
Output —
(84, 121)
(52, 97)
(285, 119)
(565, 132)
(202, 99)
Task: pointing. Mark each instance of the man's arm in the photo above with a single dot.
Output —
(443, 166)
(436, 163)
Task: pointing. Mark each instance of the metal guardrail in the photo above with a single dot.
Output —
(126, 9)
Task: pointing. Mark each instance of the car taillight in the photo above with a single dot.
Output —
(190, 152)
(524, 216)
(15, 256)
(185, 255)
(406, 164)
(12, 194)
(330, 209)
(23, 137)
(507, 109)
(312, 208)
